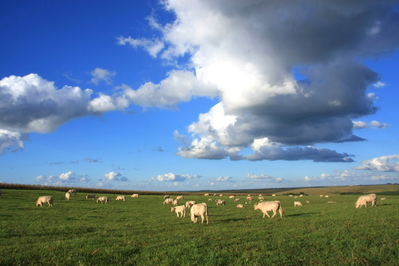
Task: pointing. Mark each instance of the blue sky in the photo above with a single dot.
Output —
(199, 95)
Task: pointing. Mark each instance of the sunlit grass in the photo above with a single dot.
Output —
(143, 231)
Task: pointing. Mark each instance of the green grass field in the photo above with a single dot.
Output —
(144, 232)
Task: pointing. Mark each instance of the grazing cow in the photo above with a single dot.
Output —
(220, 202)
(301, 195)
(273, 195)
(381, 198)
(307, 201)
(72, 191)
(45, 199)
(268, 206)
(261, 198)
(326, 196)
(363, 200)
(321, 196)
(179, 197)
(206, 194)
(68, 196)
(175, 202)
(103, 199)
(209, 199)
(179, 209)
(250, 199)
(190, 203)
(240, 206)
(121, 198)
(297, 203)
(166, 197)
(231, 197)
(135, 196)
(91, 196)
(200, 209)
(167, 201)
(237, 200)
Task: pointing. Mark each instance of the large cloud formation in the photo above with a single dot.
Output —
(288, 74)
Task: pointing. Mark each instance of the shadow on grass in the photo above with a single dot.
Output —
(300, 214)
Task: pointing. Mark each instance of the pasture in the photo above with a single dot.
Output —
(143, 231)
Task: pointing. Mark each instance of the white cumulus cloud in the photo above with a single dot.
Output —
(245, 53)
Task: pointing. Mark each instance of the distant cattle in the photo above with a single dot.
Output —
(220, 202)
(240, 206)
(206, 194)
(166, 196)
(103, 199)
(167, 201)
(297, 203)
(179, 197)
(45, 199)
(363, 200)
(237, 200)
(68, 196)
(231, 197)
(268, 206)
(381, 198)
(179, 209)
(91, 196)
(175, 202)
(72, 191)
(197, 210)
(135, 196)
(121, 198)
(190, 203)
(273, 195)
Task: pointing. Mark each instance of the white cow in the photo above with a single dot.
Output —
(72, 191)
(121, 198)
(103, 199)
(135, 196)
(240, 206)
(297, 203)
(268, 206)
(179, 197)
(45, 199)
(91, 196)
(166, 196)
(237, 200)
(190, 203)
(175, 202)
(206, 194)
(68, 196)
(261, 198)
(179, 209)
(220, 202)
(363, 200)
(200, 209)
(250, 198)
(231, 197)
(167, 201)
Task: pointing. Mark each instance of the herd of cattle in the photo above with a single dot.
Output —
(201, 209)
